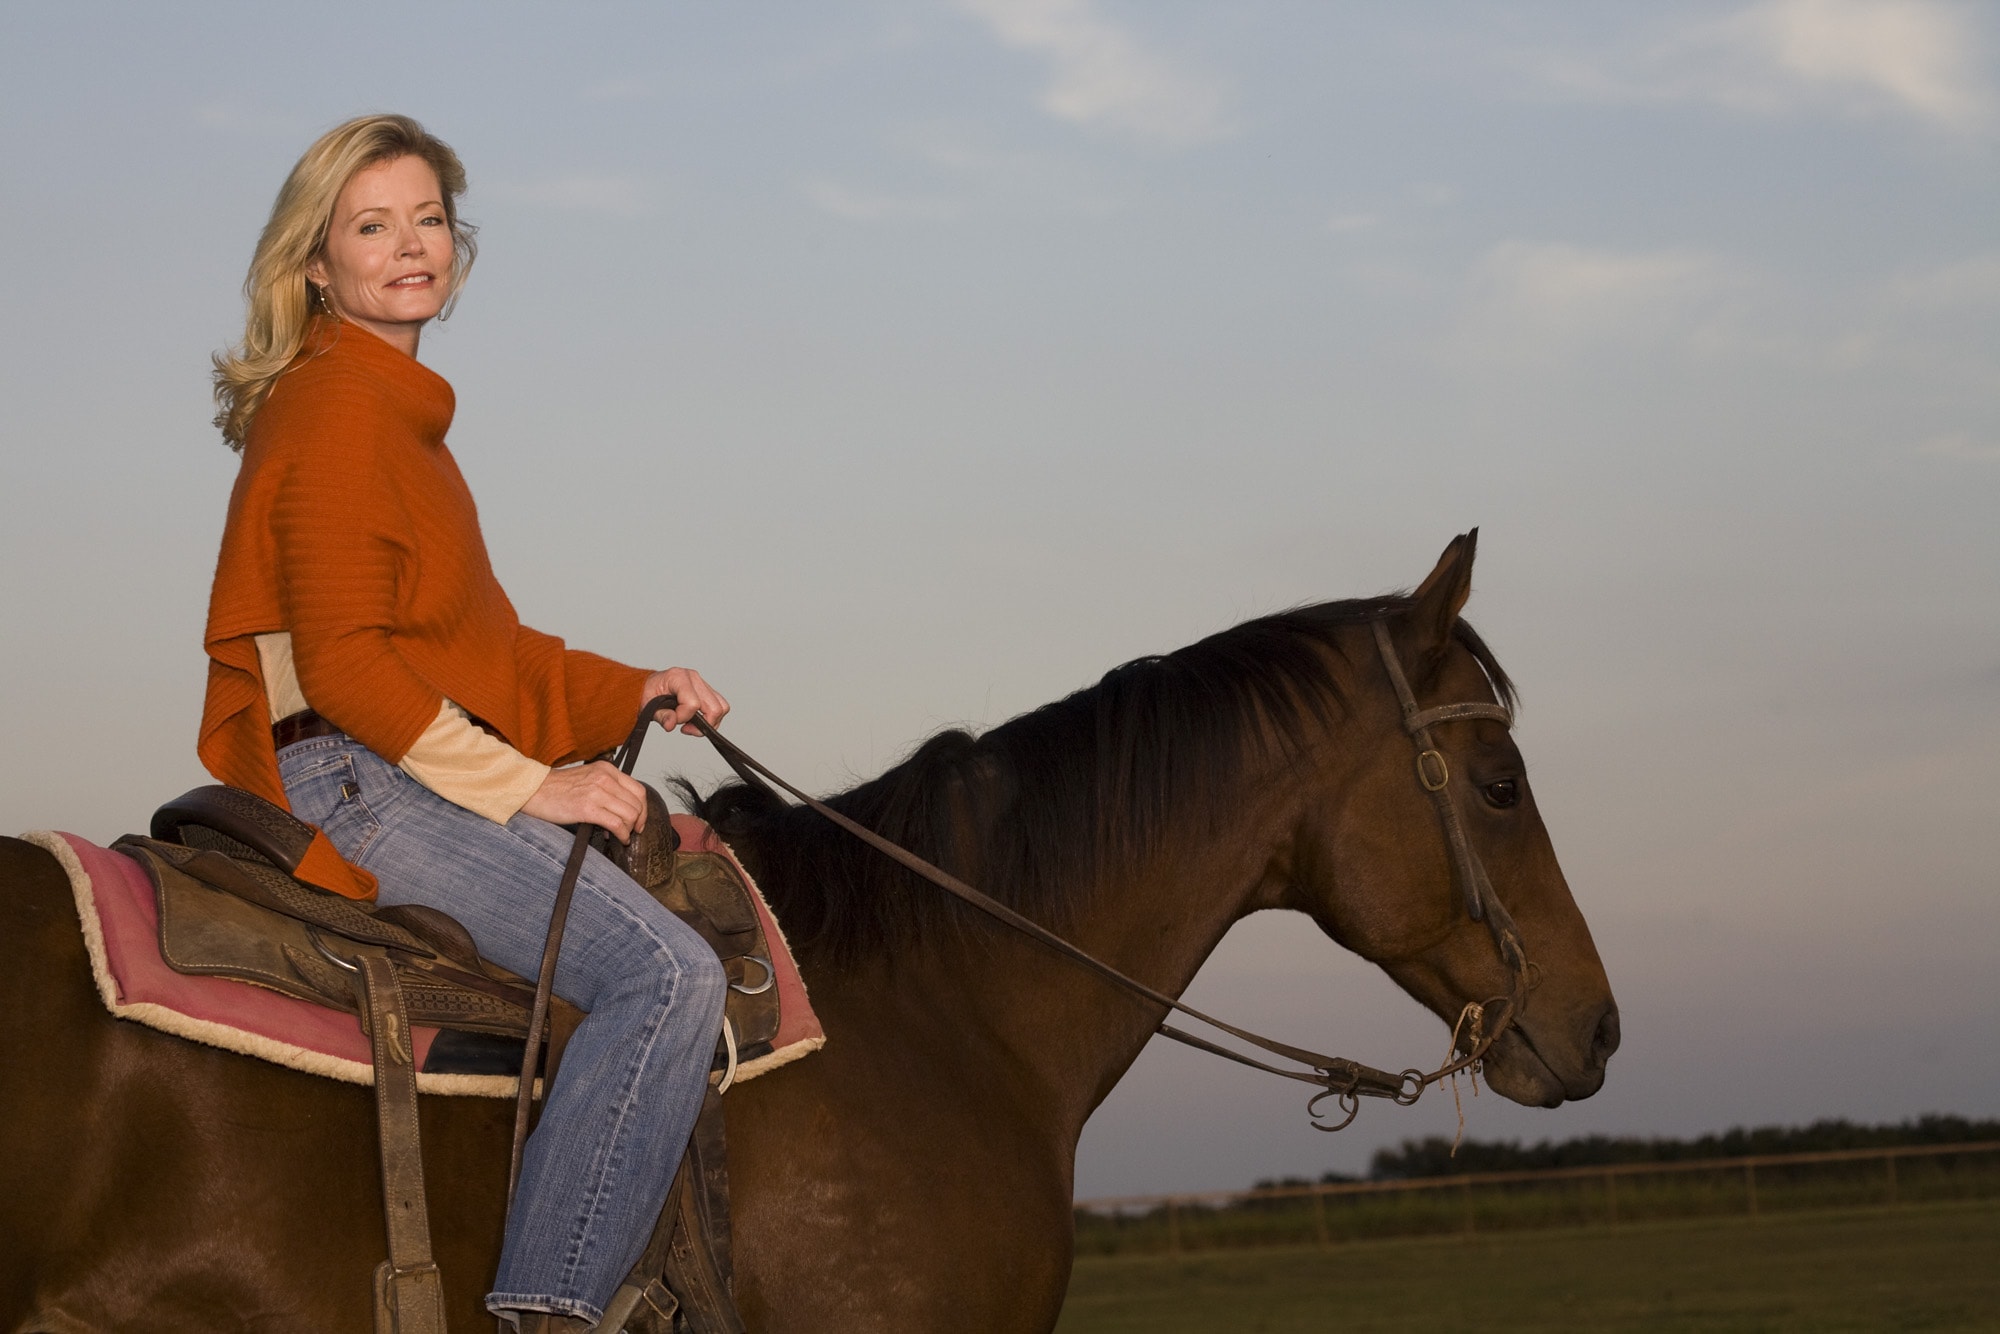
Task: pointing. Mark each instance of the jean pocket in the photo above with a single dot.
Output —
(302, 761)
(326, 792)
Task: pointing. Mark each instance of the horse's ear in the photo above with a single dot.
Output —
(1435, 606)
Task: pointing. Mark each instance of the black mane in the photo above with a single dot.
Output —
(1029, 811)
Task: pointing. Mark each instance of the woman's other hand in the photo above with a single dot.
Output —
(685, 685)
(594, 793)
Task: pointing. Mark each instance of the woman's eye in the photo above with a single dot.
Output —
(1505, 793)
(370, 228)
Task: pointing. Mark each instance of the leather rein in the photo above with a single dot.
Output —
(1336, 1077)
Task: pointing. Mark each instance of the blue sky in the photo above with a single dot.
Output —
(903, 365)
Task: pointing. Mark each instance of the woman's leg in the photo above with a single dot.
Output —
(616, 1122)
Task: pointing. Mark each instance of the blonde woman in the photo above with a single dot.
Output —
(367, 671)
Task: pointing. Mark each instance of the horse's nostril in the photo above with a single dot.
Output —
(1605, 1040)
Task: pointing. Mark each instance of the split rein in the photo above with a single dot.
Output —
(1336, 1077)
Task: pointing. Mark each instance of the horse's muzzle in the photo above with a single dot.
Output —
(1527, 1065)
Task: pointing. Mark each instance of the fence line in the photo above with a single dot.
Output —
(1465, 1181)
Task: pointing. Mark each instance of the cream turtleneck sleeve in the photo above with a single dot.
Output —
(453, 757)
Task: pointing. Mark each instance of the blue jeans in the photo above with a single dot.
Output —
(615, 1124)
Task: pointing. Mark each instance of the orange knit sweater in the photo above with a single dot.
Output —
(350, 527)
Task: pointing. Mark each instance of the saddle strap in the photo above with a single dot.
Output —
(699, 1261)
(409, 1295)
(682, 1283)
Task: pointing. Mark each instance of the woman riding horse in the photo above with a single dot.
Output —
(367, 671)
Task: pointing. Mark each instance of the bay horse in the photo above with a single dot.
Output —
(916, 1174)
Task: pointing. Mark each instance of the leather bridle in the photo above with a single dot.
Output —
(1434, 775)
(1336, 1077)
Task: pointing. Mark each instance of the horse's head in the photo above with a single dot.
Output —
(1377, 873)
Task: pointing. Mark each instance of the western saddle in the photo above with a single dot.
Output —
(220, 858)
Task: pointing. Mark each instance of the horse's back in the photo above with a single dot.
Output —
(152, 1183)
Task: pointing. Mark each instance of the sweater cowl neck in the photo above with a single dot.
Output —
(426, 395)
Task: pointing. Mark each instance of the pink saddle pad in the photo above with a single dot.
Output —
(121, 929)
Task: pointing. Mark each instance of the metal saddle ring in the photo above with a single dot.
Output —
(770, 977)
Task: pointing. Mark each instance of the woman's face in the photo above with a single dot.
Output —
(387, 256)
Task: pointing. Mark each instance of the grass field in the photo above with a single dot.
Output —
(1929, 1267)
(1495, 1203)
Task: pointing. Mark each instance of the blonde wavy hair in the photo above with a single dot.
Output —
(279, 298)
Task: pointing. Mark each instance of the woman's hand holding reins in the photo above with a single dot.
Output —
(597, 793)
(594, 793)
(685, 684)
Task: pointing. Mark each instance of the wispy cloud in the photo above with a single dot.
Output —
(1554, 281)
(1925, 324)
(1101, 75)
(1911, 54)
(1917, 58)
(859, 205)
(1543, 301)
(613, 196)
(1427, 197)
(949, 173)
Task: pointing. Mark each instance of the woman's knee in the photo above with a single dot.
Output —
(699, 981)
(676, 963)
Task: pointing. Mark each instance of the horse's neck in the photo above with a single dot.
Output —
(1061, 1034)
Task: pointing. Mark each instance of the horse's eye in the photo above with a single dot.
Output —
(1505, 793)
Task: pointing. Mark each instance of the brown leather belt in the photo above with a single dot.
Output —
(301, 726)
(305, 725)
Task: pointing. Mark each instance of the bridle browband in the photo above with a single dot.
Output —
(1336, 1077)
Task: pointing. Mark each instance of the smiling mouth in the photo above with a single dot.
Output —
(414, 280)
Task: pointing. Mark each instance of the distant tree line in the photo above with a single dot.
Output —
(1432, 1157)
